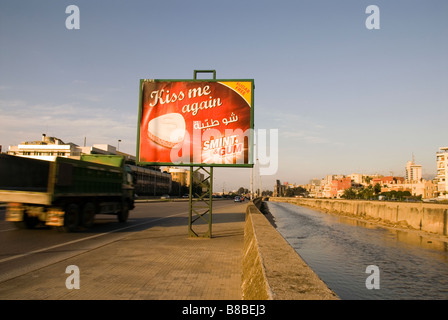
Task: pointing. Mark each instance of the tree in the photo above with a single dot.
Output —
(397, 195)
(368, 179)
(298, 191)
(289, 192)
(366, 193)
(349, 193)
(377, 188)
(267, 193)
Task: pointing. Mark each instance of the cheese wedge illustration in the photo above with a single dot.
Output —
(167, 130)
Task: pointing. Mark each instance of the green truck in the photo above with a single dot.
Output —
(65, 193)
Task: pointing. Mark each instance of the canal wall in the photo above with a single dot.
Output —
(272, 269)
(428, 217)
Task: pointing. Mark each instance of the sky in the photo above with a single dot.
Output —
(344, 98)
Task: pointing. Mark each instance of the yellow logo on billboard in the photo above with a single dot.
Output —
(244, 89)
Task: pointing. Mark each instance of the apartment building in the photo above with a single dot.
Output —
(338, 186)
(413, 172)
(442, 172)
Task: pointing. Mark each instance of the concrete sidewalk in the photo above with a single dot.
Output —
(161, 262)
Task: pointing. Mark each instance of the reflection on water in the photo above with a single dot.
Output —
(339, 249)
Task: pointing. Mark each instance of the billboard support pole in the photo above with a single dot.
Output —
(203, 201)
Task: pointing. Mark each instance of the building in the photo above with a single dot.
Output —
(46, 149)
(424, 188)
(150, 182)
(357, 178)
(376, 181)
(430, 190)
(326, 190)
(179, 175)
(442, 172)
(279, 189)
(313, 188)
(338, 186)
(50, 147)
(182, 175)
(391, 180)
(413, 172)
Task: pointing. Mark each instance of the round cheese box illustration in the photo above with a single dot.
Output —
(167, 130)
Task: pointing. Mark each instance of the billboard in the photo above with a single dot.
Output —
(196, 122)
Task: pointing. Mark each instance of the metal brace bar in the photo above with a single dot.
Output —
(204, 71)
(204, 198)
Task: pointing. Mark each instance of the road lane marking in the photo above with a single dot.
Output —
(91, 237)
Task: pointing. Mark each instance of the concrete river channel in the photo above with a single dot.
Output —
(339, 249)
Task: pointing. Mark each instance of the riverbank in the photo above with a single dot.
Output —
(342, 250)
(425, 220)
(272, 269)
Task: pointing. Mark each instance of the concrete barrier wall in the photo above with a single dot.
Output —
(254, 282)
(427, 217)
(272, 269)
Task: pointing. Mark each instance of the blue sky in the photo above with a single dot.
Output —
(344, 98)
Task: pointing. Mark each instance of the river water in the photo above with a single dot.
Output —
(339, 250)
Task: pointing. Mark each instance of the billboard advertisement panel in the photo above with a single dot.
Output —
(196, 122)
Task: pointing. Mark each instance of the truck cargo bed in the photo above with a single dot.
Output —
(34, 181)
(23, 174)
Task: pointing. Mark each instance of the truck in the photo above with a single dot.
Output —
(65, 193)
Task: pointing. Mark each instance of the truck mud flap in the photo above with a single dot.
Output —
(55, 217)
(14, 212)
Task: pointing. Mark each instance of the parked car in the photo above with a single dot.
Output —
(238, 199)
(165, 196)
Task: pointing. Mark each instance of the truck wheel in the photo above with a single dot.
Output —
(88, 215)
(124, 213)
(71, 218)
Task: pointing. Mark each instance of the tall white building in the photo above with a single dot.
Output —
(413, 172)
(442, 172)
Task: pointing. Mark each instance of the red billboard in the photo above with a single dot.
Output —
(196, 122)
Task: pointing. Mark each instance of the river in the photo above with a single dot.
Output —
(339, 250)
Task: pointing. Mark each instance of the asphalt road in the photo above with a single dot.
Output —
(24, 250)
